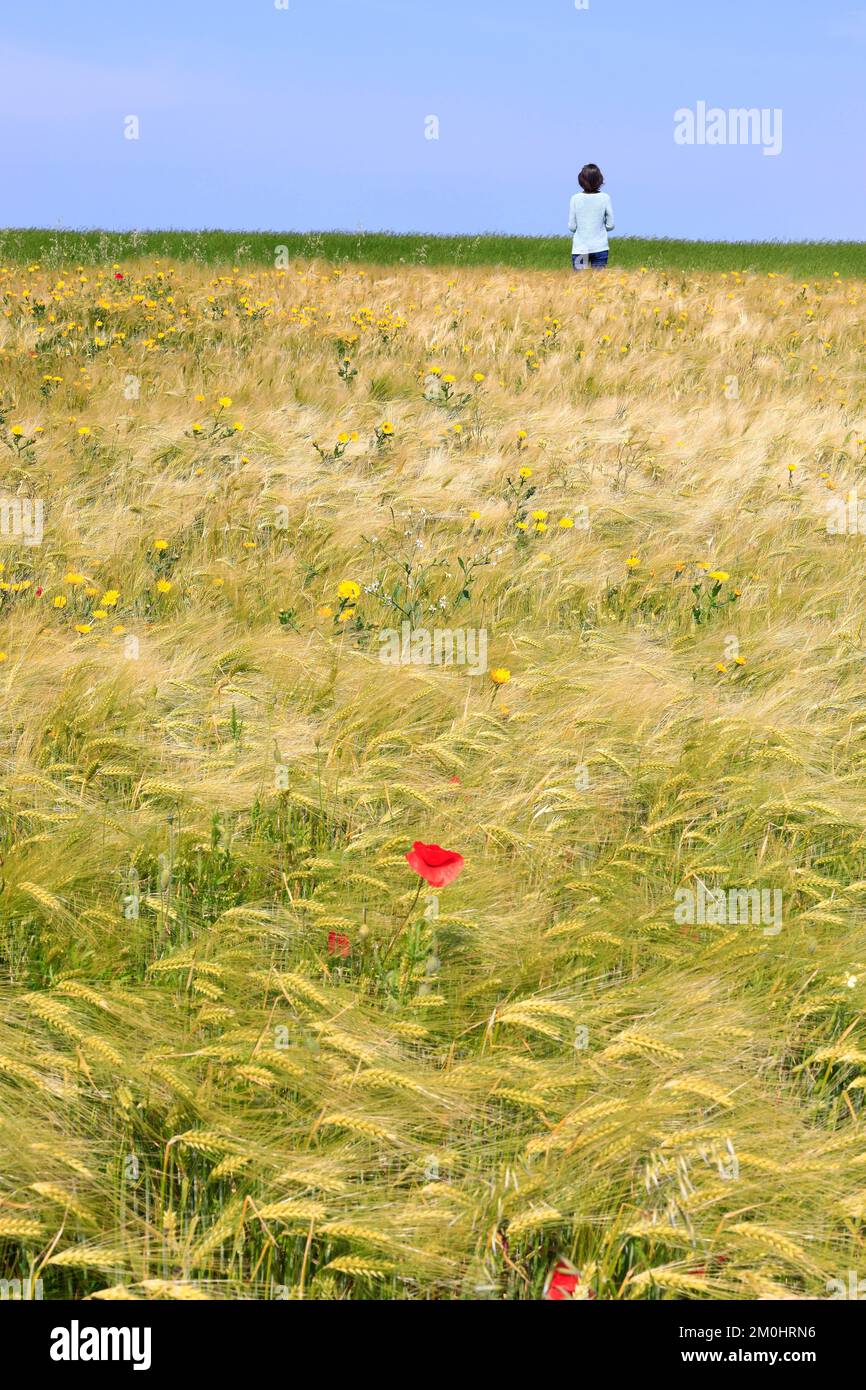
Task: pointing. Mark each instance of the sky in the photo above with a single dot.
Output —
(299, 115)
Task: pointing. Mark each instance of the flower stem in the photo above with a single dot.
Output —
(403, 924)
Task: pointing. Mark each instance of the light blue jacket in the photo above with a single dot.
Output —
(590, 217)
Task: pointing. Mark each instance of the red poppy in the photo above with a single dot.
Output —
(439, 866)
(714, 1260)
(562, 1282)
(338, 944)
(39, 592)
(117, 275)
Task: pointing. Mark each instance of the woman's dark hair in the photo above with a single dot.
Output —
(590, 178)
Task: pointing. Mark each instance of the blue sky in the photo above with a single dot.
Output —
(314, 116)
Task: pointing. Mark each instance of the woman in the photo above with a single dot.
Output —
(590, 219)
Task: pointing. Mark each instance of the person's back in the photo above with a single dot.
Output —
(590, 219)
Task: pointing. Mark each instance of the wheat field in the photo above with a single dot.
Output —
(246, 1052)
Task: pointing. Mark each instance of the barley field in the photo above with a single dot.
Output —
(247, 1050)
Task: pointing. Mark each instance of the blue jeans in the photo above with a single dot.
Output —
(596, 259)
